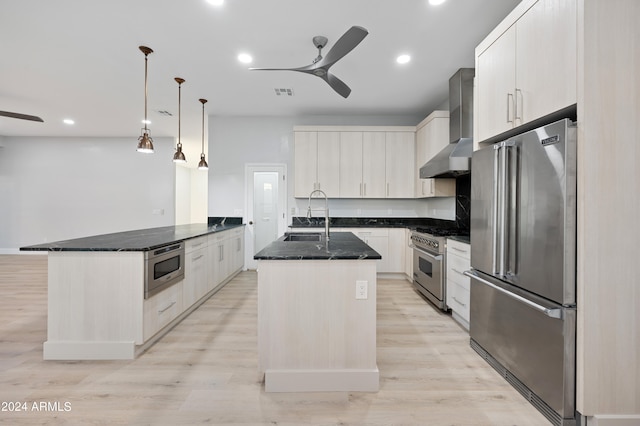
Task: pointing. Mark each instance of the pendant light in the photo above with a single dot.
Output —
(202, 165)
(179, 157)
(145, 143)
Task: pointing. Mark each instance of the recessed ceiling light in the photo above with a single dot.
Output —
(436, 2)
(403, 59)
(216, 2)
(68, 121)
(245, 58)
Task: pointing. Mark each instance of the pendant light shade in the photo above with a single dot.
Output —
(145, 143)
(202, 165)
(179, 157)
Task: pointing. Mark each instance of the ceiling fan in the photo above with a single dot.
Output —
(320, 65)
(20, 116)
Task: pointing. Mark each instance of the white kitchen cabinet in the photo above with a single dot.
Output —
(373, 165)
(355, 161)
(396, 250)
(458, 285)
(351, 156)
(317, 163)
(362, 164)
(546, 59)
(329, 163)
(377, 239)
(218, 258)
(408, 255)
(196, 274)
(236, 249)
(527, 69)
(432, 135)
(161, 309)
(305, 162)
(226, 255)
(399, 170)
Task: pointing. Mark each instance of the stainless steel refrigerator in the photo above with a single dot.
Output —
(523, 276)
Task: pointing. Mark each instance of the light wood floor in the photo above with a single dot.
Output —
(205, 369)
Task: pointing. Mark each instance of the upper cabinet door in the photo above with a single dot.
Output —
(495, 87)
(351, 165)
(400, 152)
(546, 59)
(305, 163)
(329, 163)
(527, 71)
(373, 165)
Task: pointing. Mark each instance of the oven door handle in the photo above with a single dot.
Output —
(438, 257)
(553, 313)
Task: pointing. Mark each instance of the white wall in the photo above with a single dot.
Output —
(60, 188)
(234, 141)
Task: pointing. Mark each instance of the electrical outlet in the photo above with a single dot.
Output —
(293, 211)
(362, 289)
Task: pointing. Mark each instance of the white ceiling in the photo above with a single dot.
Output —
(79, 59)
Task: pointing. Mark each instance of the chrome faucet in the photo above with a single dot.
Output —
(326, 211)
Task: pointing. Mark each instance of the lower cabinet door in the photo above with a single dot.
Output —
(161, 309)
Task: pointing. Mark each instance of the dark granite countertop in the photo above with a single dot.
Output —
(341, 246)
(371, 222)
(138, 240)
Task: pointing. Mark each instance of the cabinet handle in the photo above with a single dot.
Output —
(509, 102)
(431, 187)
(459, 302)
(196, 258)
(456, 271)
(457, 249)
(161, 311)
(361, 189)
(516, 116)
(387, 189)
(365, 189)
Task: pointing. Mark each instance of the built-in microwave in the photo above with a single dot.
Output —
(164, 267)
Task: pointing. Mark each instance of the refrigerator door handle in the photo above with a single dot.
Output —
(553, 313)
(496, 208)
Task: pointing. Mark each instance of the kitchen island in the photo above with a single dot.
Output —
(317, 314)
(98, 306)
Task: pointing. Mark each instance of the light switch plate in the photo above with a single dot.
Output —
(362, 289)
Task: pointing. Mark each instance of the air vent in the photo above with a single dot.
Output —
(284, 92)
(165, 113)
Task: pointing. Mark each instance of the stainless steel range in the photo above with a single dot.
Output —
(429, 263)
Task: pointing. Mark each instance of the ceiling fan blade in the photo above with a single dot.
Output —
(21, 116)
(337, 85)
(344, 45)
(308, 69)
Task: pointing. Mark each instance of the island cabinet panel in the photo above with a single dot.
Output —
(95, 305)
(314, 334)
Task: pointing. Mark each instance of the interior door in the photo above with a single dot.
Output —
(266, 208)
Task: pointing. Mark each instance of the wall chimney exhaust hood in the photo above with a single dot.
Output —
(455, 159)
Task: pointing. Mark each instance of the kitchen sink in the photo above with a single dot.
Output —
(307, 236)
